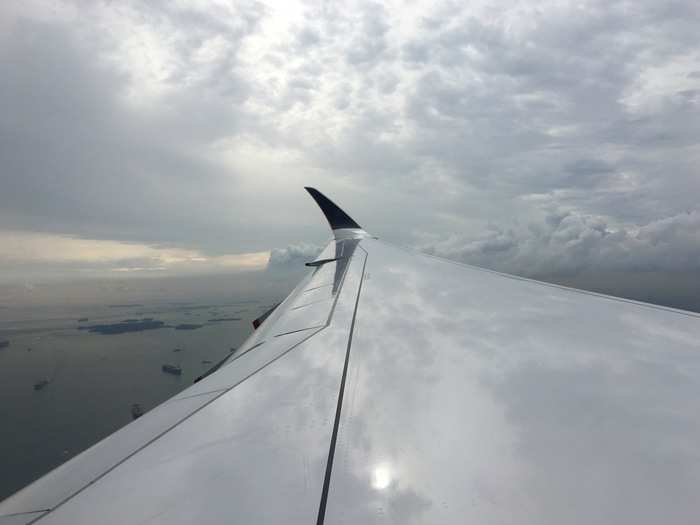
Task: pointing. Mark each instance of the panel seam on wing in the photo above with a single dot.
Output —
(336, 423)
(301, 330)
(12, 514)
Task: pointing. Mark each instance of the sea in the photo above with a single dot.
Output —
(80, 354)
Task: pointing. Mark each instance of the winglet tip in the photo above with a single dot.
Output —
(312, 191)
(335, 216)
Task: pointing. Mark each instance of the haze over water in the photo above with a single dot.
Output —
(94, 378)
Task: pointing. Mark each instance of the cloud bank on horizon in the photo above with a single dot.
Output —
(540, 138)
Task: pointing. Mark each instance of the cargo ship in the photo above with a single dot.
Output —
(172, 369)
(39, 385)
(136, 411)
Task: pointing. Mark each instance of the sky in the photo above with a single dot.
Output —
(556, 140)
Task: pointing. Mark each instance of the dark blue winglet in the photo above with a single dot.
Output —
(336, 217)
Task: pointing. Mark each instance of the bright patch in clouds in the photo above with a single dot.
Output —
(100, 257)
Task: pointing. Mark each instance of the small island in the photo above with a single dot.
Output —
(131, 305)
(129, 325)
(188, 326)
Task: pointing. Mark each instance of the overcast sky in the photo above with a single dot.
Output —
(537, 137)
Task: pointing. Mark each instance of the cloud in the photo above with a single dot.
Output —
(292, 257)
(568, 243)
(195, 126)
(108, 136)
(25, 255)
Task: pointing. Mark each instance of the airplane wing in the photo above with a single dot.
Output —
(395, 387)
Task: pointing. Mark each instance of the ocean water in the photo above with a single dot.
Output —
(93, 378)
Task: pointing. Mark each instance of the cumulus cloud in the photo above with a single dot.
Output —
(565, 244)
(292, 257)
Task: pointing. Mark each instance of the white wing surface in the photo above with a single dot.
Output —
(393, 387)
